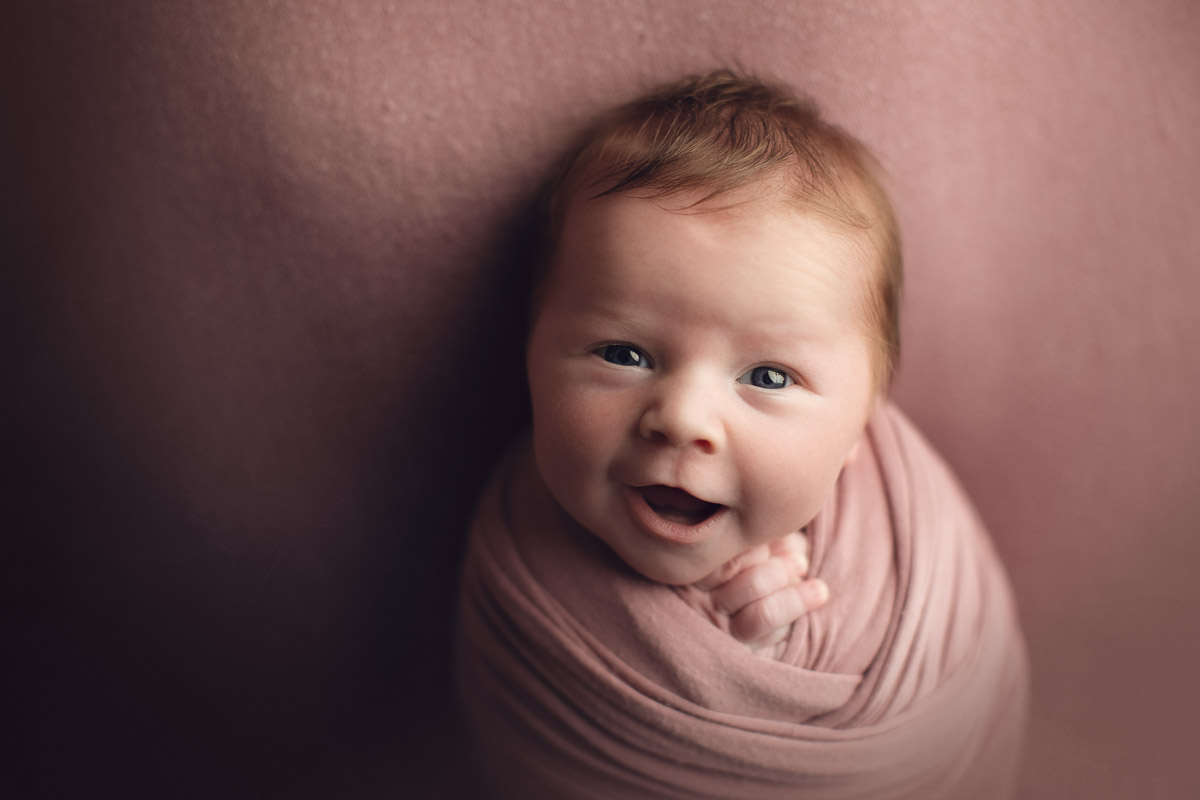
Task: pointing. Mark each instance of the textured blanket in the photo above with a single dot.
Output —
(582, 679)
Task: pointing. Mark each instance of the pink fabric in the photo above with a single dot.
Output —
(244, 235)
(583, 679)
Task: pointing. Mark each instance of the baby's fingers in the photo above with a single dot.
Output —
(762, 619)
(759, 580)
(738, 564)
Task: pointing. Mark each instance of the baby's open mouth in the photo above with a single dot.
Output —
(677, 505)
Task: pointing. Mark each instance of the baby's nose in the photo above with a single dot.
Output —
(684, 413)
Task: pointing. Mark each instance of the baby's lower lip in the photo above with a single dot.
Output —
(672, 516)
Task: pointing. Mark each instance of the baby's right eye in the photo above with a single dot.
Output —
(623, 355)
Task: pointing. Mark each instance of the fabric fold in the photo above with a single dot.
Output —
(582, 679)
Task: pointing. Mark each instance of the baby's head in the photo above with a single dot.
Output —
(716, 313)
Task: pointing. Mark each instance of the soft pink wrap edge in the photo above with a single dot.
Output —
(580, 678)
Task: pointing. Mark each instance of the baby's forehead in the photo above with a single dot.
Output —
(760, 204)
(624, 234)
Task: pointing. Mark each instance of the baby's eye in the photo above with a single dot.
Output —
(767, 378)
(623, 355)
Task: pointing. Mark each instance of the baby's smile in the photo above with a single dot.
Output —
(674, 514)
(677, 505)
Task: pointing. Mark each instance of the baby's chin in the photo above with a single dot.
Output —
(672, 571)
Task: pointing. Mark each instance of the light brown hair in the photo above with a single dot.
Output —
(722, 131)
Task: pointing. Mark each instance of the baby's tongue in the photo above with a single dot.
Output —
(677, 505)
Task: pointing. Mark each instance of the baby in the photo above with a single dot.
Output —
(714, 325)
(715, 322)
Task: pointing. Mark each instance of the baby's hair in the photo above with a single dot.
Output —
(718, 132)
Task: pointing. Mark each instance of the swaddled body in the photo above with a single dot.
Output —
(584, 680)
(713, 331)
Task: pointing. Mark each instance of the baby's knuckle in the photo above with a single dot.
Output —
(777, 609)
(767, 614)
(761, 583)
(730, 568)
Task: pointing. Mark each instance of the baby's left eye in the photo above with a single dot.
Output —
(767, 378)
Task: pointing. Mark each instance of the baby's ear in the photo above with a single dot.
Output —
(853, 454)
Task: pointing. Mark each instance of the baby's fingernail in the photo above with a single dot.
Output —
(799, 563)
(815, 592)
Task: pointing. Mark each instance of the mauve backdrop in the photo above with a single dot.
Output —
(263, 350)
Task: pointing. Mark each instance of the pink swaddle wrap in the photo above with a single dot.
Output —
(582, 679)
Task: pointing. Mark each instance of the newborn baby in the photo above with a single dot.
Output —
(714, 325)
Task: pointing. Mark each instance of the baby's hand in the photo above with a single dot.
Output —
(758, 594)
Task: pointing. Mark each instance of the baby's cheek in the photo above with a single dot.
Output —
(789, 488)
(596, 415)
(578, 428)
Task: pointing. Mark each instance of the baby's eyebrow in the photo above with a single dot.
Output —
(781, 334)
(609, 314)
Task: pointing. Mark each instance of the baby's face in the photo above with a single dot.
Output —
(699, 377)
